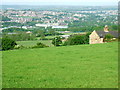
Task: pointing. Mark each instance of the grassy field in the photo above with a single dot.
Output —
(0, 70)
(75, 33)
(32, 43)
(80, 66)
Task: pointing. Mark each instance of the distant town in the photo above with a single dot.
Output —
(64, 19)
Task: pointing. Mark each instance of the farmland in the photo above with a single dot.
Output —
(79, 66)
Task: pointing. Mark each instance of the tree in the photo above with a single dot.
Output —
(20, 36)
(41, 34)
(56, 41)
(78, 39)
(8, 44)
(86, 38)
(75, 40)
(119, 38)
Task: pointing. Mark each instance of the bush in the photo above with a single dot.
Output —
(40, 45)
(56, 41)
(108, 38)
(8, 44)
(19, 47)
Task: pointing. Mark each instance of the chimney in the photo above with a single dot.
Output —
(106, 28)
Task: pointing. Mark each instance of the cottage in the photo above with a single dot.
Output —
(98, 36)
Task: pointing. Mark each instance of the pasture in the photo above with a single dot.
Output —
(0, 69)
(80, 66)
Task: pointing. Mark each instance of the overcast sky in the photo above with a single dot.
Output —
(60, 2)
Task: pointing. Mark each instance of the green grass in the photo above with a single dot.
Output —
(80, 66)
(74, 33)
(0, 70)
(51, 37)
(47, 37)
(32, 43)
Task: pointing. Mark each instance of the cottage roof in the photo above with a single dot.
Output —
(103, 33)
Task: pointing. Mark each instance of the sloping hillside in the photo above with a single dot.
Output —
(80, 66)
